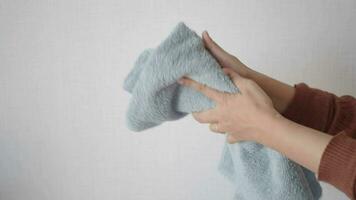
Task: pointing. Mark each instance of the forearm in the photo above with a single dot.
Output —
(299, 143)
(280, 93)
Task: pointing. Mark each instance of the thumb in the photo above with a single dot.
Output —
(219, 53)
(234, 76)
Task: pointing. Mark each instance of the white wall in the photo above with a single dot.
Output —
(62, 107)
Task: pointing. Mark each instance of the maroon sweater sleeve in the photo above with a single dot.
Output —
(336, 116)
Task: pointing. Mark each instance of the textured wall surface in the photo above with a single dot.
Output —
(62, 107)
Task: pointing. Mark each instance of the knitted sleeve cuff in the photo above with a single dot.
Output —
(310, 107)
(338, 164)
(328, 113)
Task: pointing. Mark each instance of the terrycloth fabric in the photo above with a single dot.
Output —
(256, 171)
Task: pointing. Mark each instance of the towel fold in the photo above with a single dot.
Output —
(257, 172)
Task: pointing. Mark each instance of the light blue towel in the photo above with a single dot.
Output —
(257, 172)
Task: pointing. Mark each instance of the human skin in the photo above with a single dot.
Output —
(260, 102)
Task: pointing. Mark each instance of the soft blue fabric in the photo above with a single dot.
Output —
(256, 171)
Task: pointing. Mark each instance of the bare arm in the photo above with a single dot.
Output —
(302, 144)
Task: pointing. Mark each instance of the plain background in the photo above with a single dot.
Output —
(62, 107)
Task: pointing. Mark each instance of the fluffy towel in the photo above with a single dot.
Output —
(256, 171)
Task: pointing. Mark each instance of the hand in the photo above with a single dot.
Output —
(224, 58)
(245, 116)
(250, 115)
(280, 93)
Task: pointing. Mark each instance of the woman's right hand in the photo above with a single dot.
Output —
(224, 58)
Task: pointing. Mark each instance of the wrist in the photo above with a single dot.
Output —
(271, 129)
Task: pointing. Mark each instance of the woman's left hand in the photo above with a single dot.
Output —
(247, 115)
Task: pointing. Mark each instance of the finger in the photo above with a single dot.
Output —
(215, 128)
(208, 116)
(219, 53)
(234, 76)
(207, 91)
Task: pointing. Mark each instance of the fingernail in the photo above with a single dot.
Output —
(181, 81)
